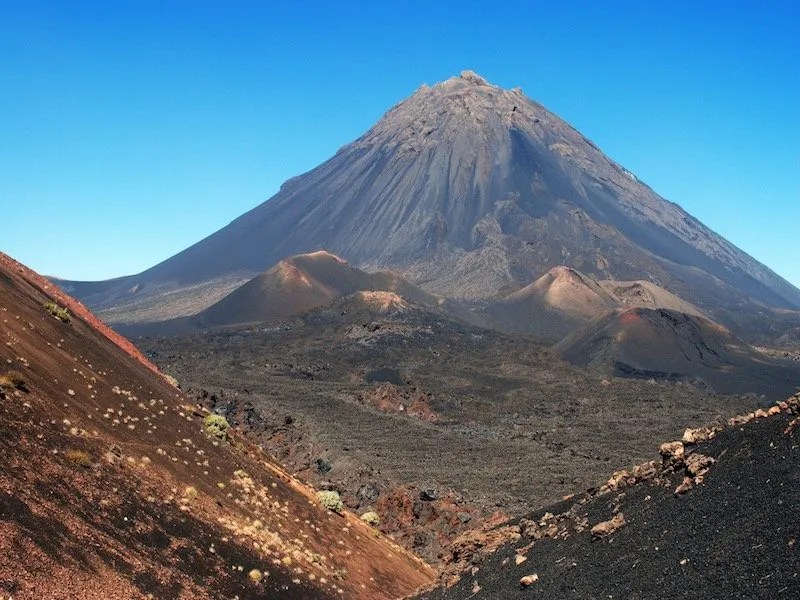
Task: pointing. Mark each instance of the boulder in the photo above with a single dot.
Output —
(672, 453)
(606, 528)
(685, 486)
(428, 494)
(698, 464)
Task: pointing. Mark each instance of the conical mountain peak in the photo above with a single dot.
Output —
(472, 77)
(467, 93)
(467, 79)
(468, 188)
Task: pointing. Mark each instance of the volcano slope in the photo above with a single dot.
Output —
(300, 283)
(558, 303)
(667, 344)
(564, 300)
(369, 397)
(113, 485)
(468, 190)
(295, 285)
(716, 518)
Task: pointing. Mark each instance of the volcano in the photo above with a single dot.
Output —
(667, 344)
(563, 300)
(293, 286)
(469, 191)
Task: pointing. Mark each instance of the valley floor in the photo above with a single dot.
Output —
(503, 424)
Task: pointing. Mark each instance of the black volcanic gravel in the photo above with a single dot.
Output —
(734, 536)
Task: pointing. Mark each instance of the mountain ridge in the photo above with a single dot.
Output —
(298, 284)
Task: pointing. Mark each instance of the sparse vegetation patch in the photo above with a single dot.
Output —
(331, 500)
(79, 457)
(59, 312)
(190, 493)
(255, 576)
(371, 518)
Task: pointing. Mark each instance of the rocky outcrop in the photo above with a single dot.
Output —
(390, 398)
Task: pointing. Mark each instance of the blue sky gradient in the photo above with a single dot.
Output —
(129, 131)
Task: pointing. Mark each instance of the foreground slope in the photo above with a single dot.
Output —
(714, 519)
(468, 189)
(111, 484)
(667, 344)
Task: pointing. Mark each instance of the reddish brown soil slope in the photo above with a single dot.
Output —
(111, 488)
(666, 344)
(564, 300)
(300, 283)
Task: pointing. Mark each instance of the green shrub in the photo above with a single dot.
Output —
(216, 425)
(59, 312)
(331, 500)
(371, 518)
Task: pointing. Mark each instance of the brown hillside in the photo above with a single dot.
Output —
(112, 487)
(563, 300)
(300, 283)
(557, 303)
(641, 342)
(644, 294)
(568, 291)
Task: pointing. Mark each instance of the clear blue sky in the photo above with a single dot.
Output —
(130, 130)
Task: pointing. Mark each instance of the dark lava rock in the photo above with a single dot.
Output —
(368, 493)
(734, 536)
(385, 375)
(428, 494)
(322, 465)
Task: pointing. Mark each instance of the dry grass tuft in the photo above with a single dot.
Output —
(255, 576)
(12, 380)
(79, 457)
